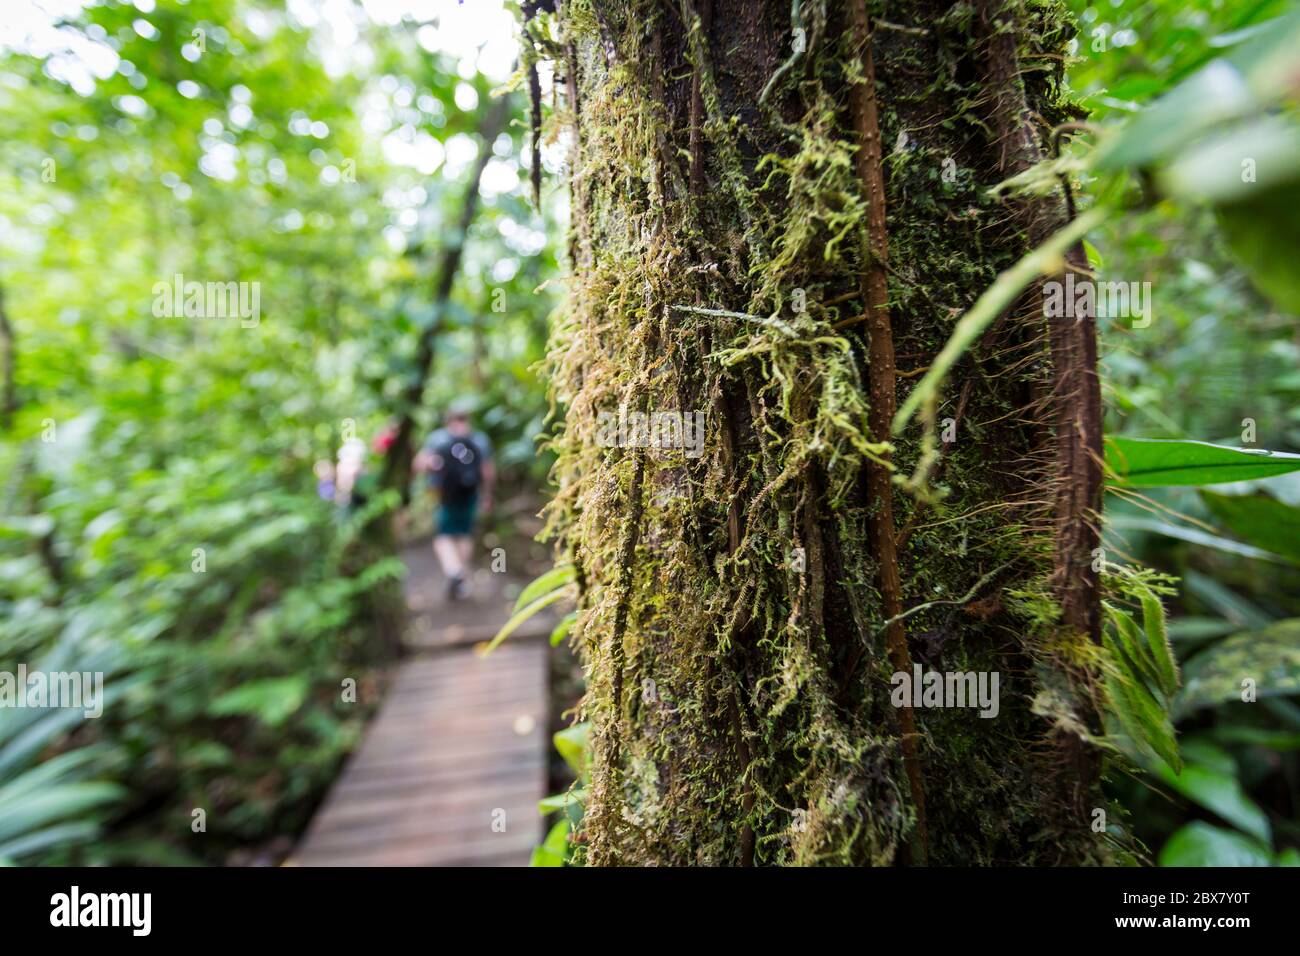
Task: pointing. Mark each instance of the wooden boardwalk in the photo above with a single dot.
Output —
(452, 767)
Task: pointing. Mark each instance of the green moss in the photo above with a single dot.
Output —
(768, 714)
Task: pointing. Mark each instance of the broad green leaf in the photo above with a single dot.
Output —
(1200, 844)
(1191, 536)
(1262, 229)
(1221, 794)
(1261, 520)
(1270, 657)
(1241, 163)
(1161, 462)
(552, 804)
(1216, 93)
(572, 803)
(1200, 748)
(1249, 80)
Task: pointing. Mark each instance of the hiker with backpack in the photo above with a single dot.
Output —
(458, 460)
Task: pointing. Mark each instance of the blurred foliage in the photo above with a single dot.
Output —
(158, 503)
(1186, 93)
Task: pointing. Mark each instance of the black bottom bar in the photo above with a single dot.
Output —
(335, 907)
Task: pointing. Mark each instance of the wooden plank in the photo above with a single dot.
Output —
(457, 753)
(418, 779)
(503, 849)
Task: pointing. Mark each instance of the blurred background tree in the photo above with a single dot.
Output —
(160, 509)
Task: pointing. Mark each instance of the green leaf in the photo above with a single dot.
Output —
(1261, 230)
(567, 802)
(25, 526)
(572, 746)
(1270, 657)
(63, 768)
(1194, 630)
(1200, 748)
(1200, 844)
(519, 617)
(1215, 94)
(1191, 536)
(556, 577)
(1250, 79)
(271, 700)
(1142, 718)
(1153, 624)
(1094, 257)
(552, 804)
(1221, 794)
(1128, 647)
(555, 848)
(1226, 602)
(1265, 737)
(1144, 653)
(1261, 520)
(31, 811)
(1214, 170)
(563, 628)
(62, 834)
(1150, 462)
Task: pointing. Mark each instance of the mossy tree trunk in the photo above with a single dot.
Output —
(776, 224)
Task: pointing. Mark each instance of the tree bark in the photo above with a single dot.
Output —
(1073, 403)
(767, 216)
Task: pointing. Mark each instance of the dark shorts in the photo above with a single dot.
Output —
(457, 517)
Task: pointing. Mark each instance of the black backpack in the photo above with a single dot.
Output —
(462, 468)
